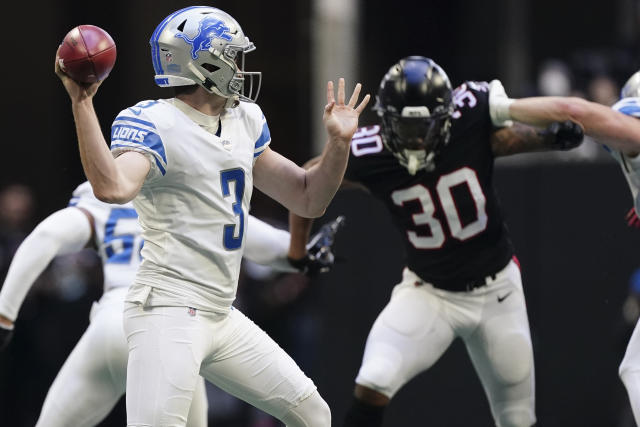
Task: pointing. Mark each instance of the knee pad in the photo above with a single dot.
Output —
(378, 375)
(627, 366)
(381, 370)
(311, 412)
(516, 417)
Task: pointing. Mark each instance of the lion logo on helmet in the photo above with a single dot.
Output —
(210, 28)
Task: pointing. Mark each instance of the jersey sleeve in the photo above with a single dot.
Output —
(366, 142)
(263, 140)
(630, 107)
(498, 103)
(133, 130)
(81, 194)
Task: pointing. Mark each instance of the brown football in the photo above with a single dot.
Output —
(87, 54)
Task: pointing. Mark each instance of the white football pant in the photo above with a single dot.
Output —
(630, 372)
(170, 347)
(93, 378)
(420, 322)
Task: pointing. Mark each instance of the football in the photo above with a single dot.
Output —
(87, 54)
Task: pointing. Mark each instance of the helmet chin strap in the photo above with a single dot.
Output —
(232, 102)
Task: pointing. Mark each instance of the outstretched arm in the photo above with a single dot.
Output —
(521, 138)
(63, 232)
(308, 192)
(619, 131)
(113, 180)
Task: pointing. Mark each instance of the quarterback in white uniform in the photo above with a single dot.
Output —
(630, 164)
(189, 164)
(93, 378)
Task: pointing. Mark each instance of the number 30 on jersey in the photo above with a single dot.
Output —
(422, 194)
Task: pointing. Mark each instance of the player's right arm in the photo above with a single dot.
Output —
(113, 180)
(300, 227)
(617, 130)
(63, 232)
(521, 138)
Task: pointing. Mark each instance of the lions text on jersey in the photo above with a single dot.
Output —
(193, 205)
(450, 217)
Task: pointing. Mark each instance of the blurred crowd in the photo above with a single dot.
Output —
(593, 74)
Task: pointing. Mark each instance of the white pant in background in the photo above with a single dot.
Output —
(170, 347)
(93, 378)
(630, 372)
(420, 322)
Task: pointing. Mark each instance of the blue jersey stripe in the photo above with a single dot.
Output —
(628, 106)
(139, 136)
(155, 48)
(160, 166)
(264, 137)
(630, 110)
(133, 119)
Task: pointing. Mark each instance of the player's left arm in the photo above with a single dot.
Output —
(308, 192)
(520, 138)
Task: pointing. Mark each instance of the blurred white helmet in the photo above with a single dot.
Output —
(205, 46)
(632, 87)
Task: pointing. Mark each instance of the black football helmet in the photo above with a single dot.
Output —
(415, 104)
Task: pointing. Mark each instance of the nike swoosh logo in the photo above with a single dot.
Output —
(504, 297)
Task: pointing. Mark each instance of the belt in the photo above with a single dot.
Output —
(463, 285)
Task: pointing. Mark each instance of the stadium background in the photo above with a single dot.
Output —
(566, 213)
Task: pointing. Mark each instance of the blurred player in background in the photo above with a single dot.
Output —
(431, 162)
(94, 376)
(189, 164)
(630, 163)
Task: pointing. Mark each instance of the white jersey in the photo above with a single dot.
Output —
(117, 236)
(630, 165)
(194, 203)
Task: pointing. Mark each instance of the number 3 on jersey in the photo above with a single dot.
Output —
(426, 217)
(230, 241)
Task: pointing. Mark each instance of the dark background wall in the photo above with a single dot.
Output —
(566, 218)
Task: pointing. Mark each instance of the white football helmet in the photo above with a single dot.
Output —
(632, 87)
(205, 46)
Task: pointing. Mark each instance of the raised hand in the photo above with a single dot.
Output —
(340, 119)
(77, 91)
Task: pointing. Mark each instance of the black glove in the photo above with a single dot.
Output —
(563, 135)
(319, 258)
(5, 336)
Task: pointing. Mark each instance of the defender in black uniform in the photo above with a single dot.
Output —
(431, 163)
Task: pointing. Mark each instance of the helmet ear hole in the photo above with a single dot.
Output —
(210, 67)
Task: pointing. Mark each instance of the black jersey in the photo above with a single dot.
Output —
(450, 217)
